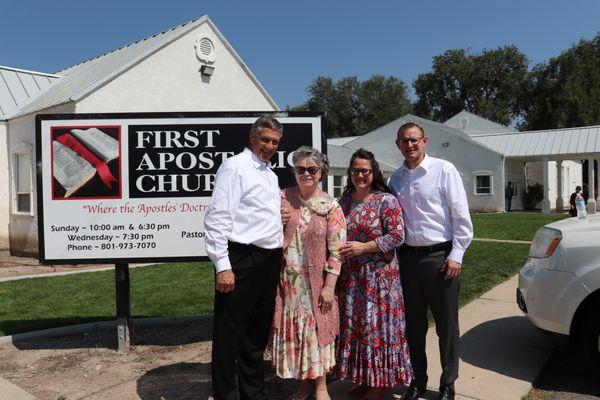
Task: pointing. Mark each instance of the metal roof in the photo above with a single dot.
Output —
(340, 141)
(473, 124)
(571, 143)
(339, 157)
(381, 140)
(18, 87)
(83, 79)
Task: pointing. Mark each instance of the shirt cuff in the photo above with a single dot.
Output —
(456, 255)
(222, 264)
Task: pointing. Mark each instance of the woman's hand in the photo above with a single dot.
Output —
(353, 249)
(326, 299)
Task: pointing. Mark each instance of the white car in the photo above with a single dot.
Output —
(559, 286)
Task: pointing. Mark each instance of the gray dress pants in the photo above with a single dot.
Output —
(424, 287)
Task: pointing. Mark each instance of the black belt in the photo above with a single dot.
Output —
(421, 250)
(250, 248)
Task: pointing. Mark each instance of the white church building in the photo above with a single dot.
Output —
(190, 67)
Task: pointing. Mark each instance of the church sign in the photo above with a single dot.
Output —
(134, 187)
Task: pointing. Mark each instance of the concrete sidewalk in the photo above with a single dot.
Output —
(501, 351)
(8, 391)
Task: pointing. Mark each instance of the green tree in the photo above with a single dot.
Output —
(492, 84)
(352, 107)
(566, 89)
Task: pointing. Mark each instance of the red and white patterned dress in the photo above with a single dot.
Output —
(295, 351)
(372, 348)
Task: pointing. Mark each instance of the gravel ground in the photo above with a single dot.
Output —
(11, 266)
(564, 379)
(167, 362)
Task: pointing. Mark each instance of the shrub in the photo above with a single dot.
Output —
(533, 195)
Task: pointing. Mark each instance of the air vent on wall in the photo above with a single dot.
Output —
(205, 50)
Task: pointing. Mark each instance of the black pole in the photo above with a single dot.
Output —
(123, 305)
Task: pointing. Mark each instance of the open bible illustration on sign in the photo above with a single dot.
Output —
(85, 163)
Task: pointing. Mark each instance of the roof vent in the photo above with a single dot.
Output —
(463, 122)
(205, 50)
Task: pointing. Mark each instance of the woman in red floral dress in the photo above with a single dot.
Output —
(372, 350)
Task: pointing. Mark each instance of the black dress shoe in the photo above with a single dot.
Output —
(446, 393)
(413, 392)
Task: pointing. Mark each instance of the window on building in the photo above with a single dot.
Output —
(483, 183)
(338, 185)
(22, 182)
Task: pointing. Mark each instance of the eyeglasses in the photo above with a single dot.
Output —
(412, 141)
(358, 171)
(312, 170)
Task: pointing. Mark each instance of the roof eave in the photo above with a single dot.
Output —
(38, 111)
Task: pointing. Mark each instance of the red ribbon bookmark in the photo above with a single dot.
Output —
(103, 170)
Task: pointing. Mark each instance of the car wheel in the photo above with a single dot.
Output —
(589, 338)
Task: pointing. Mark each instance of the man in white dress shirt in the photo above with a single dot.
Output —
(244, 236)
(438, 230)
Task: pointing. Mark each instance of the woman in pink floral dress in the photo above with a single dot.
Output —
(372, 350)
(306, 319)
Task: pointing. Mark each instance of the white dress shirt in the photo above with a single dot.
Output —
(435, 205)
(244, 208)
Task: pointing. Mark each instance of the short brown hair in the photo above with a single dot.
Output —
(409, 125)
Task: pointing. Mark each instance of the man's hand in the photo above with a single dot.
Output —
(225, 281)
(450, 269)
(285, 216)
(326, 298)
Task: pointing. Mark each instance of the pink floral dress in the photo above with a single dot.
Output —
(372, 348)
(295, 351)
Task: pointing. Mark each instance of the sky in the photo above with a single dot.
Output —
(287, 44)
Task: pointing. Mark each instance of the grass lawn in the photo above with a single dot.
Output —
(486, 264)
(512, 226)
(158, 290)
(186, 289)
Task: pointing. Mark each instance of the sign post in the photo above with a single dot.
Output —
(122, 289)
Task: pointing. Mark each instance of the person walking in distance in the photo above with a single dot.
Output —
(572, 206)
(509, 192)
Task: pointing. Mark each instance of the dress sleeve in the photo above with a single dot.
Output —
(392, 224)
(336, 237)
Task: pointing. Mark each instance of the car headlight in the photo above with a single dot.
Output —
(544, 242)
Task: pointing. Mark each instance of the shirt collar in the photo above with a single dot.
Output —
(257, 162)
(425, 164)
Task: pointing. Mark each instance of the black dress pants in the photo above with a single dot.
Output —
(242, 323)
(424, 287)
